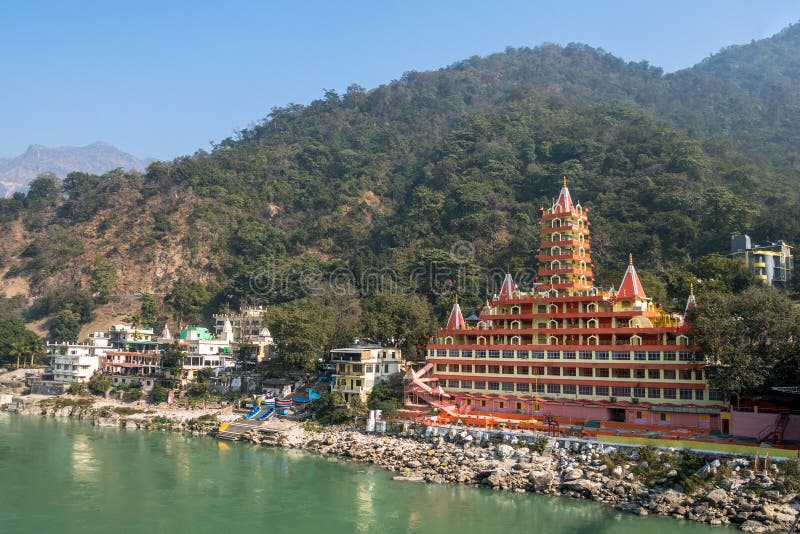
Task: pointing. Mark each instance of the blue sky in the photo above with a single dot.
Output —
(163, 79)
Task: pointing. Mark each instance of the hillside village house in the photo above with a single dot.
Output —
(77, 362)
(249, 331)
(358, 368)
(203, 350)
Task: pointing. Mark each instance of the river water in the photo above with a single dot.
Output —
(66, 476)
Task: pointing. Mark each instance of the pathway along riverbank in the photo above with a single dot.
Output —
(682, 485)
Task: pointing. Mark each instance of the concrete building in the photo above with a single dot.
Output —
(204, 351)
(360, 367)
(249, 331)
(77, 362)
(772, 263)
(119, 334)
(134, 351)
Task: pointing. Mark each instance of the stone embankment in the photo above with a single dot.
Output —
(641, 481)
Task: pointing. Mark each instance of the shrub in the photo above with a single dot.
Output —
(77, 389)
(99, 384)
(158, 394)
(540, 444)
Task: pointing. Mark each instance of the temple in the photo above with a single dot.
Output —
(568, 348)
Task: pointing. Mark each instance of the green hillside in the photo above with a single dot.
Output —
(438, 172)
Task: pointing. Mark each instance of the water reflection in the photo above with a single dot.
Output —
(82, 460)
(137, 481)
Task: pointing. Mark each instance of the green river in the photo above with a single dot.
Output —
(66, 476)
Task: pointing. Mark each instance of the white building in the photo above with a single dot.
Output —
(360, 367)
(74, 362)
(119, 334)
(249, 332)
(205, 351)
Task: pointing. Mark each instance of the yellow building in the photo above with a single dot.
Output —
(360, 367)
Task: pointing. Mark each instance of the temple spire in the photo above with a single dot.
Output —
(456, 319)
(631, 287)
(508, 289)
(564, 202)
(691, 302)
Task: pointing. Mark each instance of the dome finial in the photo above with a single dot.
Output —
(691, 288)
(565, 180)
(630, 258)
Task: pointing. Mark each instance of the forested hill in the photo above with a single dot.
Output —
(393, 177)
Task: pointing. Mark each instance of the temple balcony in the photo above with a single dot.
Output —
(570, 256)
(576, 270)
(566, 243)
(566, 228)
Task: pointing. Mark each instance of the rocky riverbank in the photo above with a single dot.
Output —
(642, 481)
(112, 413)
(687, 486)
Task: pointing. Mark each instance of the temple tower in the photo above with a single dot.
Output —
(565, 264)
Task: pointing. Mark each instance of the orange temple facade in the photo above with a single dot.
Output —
(570, 349)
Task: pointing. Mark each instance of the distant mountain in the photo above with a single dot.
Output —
(16, 173)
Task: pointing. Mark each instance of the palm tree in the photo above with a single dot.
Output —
(17, 350)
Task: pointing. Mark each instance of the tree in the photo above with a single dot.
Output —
(66, 326)
(302, 329)
(77, 388)
(188, 299)
(401, 319)
(100, 384)
(104, 280)
(331, 409)
(45, 187)
(17, 350)
(148, 310)
(158, 394)
(17, 343)
(172, 359)
(387, 395)
(751, 340)
(721, 274)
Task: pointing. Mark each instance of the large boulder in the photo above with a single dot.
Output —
(717, 496)
(573, 474)
(505, 451)
(541, 480)
(587, 487)
(753, 526)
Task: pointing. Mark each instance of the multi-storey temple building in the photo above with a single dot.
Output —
(568, 348)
